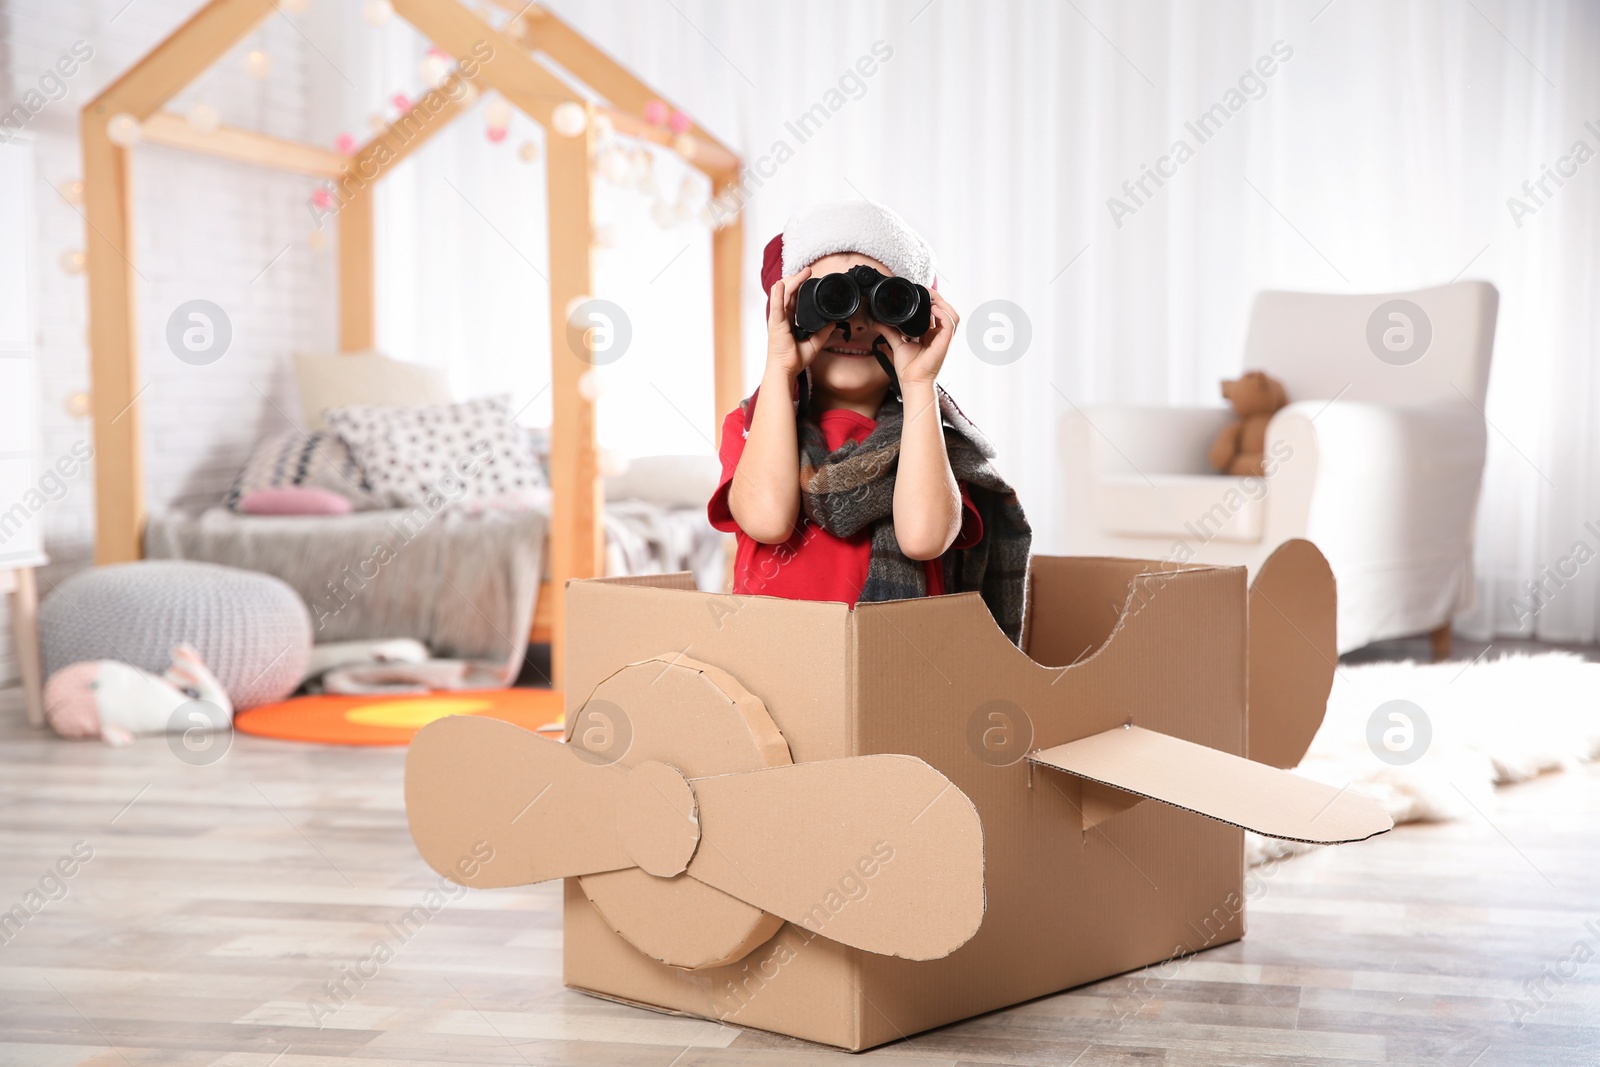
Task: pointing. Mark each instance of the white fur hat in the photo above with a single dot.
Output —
(860, 225)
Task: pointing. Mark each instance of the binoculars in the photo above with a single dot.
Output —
(892, 301)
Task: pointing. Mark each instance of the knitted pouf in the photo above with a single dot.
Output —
(252, 629)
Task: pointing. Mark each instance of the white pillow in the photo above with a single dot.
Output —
(468, 453)
(364, 378)
(670, 481)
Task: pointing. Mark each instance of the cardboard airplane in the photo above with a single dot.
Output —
(893, 817)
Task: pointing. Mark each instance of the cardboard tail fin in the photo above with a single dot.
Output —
(1293, 652)
(1147, 763)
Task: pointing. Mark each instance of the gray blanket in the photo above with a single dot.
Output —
(463, 584)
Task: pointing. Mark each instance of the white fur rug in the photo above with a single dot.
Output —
(1493, 722)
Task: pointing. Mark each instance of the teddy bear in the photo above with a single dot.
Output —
(1241, 444)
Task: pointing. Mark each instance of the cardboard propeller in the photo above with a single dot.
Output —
(878, 852)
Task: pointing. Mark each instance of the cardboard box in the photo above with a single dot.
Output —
(1073, 811)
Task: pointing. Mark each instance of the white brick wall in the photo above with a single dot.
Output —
(204, 229)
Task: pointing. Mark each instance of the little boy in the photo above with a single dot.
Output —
(849, 483)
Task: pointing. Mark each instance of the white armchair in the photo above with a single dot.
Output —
(1378, 461)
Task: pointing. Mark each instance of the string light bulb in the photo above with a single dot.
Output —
(614, 166)
(124, 130)
(434, 68)
(497, 112)
(203, 118)
(257, 64)
(569, 118)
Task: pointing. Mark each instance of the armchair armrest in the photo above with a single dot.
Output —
(1377, 486)
(1127, 441)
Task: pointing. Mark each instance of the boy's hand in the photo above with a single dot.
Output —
(919, 360)
(783, 351)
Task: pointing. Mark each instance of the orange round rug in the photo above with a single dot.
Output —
(334, 719)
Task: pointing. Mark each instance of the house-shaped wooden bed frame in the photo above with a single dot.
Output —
(576, 546)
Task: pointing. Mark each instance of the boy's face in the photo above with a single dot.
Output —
(844, 366)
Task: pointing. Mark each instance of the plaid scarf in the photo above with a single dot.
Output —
(852, 488)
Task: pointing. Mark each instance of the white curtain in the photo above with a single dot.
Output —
(1378, 154)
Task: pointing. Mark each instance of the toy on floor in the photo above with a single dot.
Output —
(1241, 445)
(393, 665)
(115, 702)
(253, 630)
(332, 655)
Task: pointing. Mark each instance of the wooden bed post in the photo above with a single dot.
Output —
(577, 532)
(727, 259)
(727, 269)
(113, 354)
(357, 277)
(108, 240)
(578, 509)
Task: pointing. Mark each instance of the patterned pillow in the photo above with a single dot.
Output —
(317, 460)
(442, 453)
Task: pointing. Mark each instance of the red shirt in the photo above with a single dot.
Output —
(814, 564)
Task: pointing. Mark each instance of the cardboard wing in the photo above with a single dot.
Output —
(1242, 792)
(775, 838)
(1293, 654)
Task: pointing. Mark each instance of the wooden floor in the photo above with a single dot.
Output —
(219, 900)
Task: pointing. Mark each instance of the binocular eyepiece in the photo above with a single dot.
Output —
(890, 300)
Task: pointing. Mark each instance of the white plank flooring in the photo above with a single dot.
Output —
(221, 900)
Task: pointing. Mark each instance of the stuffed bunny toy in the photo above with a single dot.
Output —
(115, 701)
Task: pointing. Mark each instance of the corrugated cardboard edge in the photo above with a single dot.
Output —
(768, 737)
(669, 580)
(1143, 579)
(849, 634)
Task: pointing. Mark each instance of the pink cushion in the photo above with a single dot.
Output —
(294, 500)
